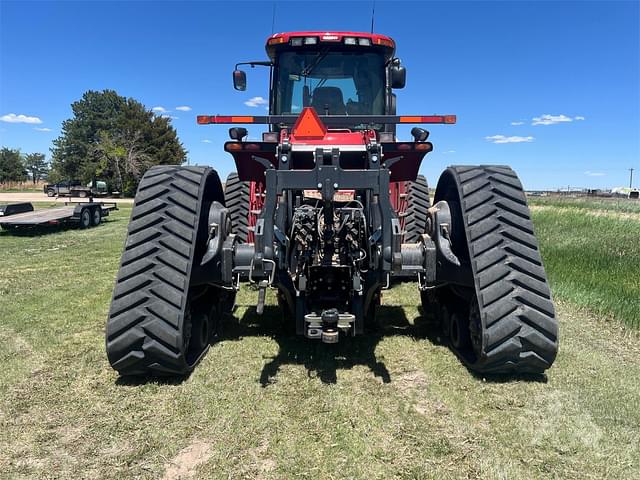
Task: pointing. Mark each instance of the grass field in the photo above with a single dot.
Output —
(592, 254)
(264, 405)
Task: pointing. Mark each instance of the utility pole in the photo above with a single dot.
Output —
(631, 178)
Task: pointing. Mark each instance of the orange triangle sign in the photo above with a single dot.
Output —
(309, 125)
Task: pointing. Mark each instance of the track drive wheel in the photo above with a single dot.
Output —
(506, 323)
(418, 203)
(158, 323)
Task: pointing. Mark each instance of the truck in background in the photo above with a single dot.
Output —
(75, 188)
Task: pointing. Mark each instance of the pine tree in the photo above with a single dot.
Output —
(36, 165)
(115, 139)
(11, 166)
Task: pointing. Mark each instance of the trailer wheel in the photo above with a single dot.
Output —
(96, 216)
(51, 193)
(82, 194)
(85, 218)
(418, 203)
(506, 322)
(159, 323)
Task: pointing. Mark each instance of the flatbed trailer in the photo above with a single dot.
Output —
(82, 214)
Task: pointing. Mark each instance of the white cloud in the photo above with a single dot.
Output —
(13, 118)
(184, 108)
(517, 123)
(504, 139)
(171, 117)
(579, 117)
(594, 174)
(255, 102)
(547, 119)
(43, 129)
(450, 151)
(159, 109)
(206, 141)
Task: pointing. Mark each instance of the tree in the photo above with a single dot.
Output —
(122, 155)
(35, 164)
(11, 166)
(114, 138)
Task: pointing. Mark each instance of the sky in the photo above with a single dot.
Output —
(550, 88)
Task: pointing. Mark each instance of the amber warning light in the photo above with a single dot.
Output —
(331, 121)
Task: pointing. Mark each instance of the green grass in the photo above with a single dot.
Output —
(263, 405)
(592, 256)
(589, 203)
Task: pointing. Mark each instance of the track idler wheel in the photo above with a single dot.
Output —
(459, 331)
(159, 323)
(505, 322)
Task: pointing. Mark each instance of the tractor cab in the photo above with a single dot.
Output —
(342, 73)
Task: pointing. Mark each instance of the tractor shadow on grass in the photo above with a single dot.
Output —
(321, 360)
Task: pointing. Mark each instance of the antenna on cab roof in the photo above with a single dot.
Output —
(373, 14)
(273, 18)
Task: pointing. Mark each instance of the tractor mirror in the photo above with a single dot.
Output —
(398, 76)
(239, 80)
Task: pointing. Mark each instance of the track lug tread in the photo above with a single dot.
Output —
(237, 200)
(520, 330)
(418, 203)
(144, 333)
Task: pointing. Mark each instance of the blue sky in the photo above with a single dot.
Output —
(573, 66)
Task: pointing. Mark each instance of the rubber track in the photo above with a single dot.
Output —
(144, 333)
(415, 223)
(520, 330)
(237, 200)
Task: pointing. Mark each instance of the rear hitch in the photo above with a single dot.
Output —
(328, 325)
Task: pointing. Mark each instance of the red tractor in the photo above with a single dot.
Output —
(328, 209)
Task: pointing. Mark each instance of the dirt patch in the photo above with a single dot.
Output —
(184, 464)
(415, 385)
(412, 382)
(259, 466)
(431, 408)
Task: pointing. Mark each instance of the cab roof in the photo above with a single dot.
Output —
(375, 40)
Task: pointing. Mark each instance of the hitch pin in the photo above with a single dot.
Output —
(262, 294)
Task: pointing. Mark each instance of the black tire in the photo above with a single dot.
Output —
(155, 313)
(51, 193)
(510, 313)
(85, 218)
(96, 216)
(237, 200)
(418, 203)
